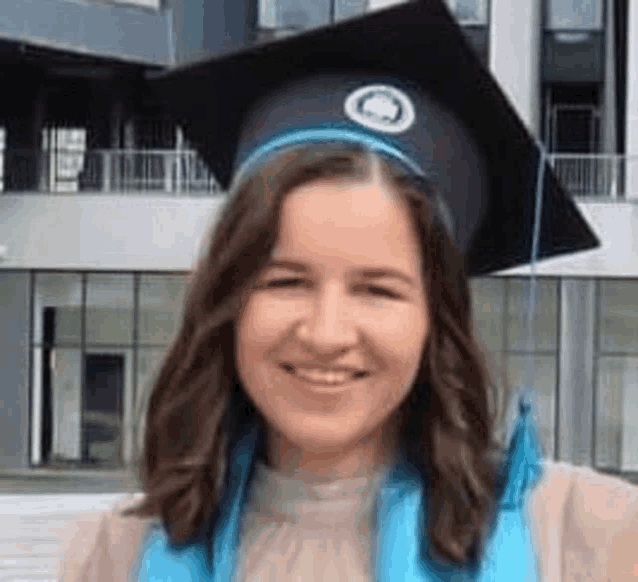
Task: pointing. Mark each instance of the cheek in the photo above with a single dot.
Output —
(399, 337)
(263, 319)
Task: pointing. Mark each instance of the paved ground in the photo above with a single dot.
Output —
(35, 507)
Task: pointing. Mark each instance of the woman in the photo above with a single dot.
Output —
(324, 411)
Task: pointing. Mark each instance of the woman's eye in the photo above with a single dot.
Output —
(383, 292)
(277, 283)
(287, 283)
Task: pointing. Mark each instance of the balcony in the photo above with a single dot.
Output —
(602, 176)
(182, 173)
(102, 171)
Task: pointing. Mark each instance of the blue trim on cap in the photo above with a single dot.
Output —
(358, 137)
(328, 134)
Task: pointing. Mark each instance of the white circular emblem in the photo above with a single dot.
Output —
(380, 107)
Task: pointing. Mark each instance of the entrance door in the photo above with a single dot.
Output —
(102, 409)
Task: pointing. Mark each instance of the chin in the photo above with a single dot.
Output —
(319, 432)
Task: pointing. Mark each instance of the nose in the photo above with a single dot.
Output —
(331, 324)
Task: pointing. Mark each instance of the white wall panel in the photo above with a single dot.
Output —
(514, 52)
(98, 232)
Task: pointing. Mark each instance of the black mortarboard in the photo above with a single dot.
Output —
(403, 80)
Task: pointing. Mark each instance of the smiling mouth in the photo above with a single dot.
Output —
(323, 377)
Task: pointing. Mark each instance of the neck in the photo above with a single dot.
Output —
(361, 458)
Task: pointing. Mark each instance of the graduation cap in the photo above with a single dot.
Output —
(404, 82)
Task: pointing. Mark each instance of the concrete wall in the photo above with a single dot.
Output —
(14, 364)
(631, 135)
(97, 232)
(165, 234)
(515, 55)
(615, 224)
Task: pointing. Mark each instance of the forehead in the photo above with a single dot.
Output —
(346, 223)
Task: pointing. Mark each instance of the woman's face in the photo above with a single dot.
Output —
(330, 340)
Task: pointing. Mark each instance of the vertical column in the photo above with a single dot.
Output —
(39, 115)
(631, 135)
(576, 371)
(610, 167)
(2, 146)
(515, 55)
(180, 156)
(112, 170)
(15, 294)
(23, 130)
(129, 164)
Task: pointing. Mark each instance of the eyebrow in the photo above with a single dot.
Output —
(366, 272)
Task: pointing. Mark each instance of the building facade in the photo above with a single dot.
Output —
(105, 211)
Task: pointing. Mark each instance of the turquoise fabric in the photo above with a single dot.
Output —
(508, 553)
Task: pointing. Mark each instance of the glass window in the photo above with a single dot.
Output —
(297, 14)
(381, 4)
(161, 303)
(66, 400)
(469, 11)
(545, 315)
(109, 309)
(348, 8)
(149, 362)
(2, 146)
(618, 316)
(107, 405)
(58, 308)
(616, 401)
(487, 311)
(574, 14)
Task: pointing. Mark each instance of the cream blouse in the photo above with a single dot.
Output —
(302, 528)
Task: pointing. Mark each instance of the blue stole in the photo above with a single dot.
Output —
(508, 552)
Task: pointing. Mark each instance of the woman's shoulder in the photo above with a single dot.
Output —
(586, 491)
(586, 520)
(102, 545)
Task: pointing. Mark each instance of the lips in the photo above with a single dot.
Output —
(323, 375)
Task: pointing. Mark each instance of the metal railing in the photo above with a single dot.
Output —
(613, 176)
(128, 172)
(183, 173)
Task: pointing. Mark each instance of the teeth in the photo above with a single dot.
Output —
(321, 376)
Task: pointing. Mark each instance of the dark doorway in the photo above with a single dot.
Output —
(48, 342)
(102, 409)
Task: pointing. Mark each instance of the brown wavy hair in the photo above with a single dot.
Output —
(445, 424)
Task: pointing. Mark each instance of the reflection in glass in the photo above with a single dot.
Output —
(109, 309)
(545, 316)
(469, 11)
(574, 14)
(160, 308)
(103, 407)
(381, 4)
(148, 366)
(58, 294)
(487, 311)
(616, 414)
(296, 14)
(66, 398)
(618, 316)
(348, 8)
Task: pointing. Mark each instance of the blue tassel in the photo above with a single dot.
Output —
(523, 467)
